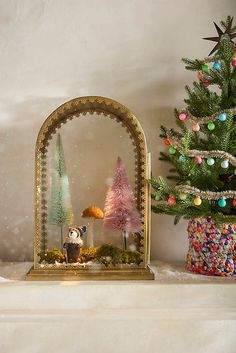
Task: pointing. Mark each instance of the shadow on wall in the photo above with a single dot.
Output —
(168, 242)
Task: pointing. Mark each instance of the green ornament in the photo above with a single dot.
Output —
(205, 68)
(210, 161)
(182, 196)
(157, 197)
(172, 150)
(211, 126)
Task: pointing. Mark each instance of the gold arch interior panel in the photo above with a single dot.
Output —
(78, 108)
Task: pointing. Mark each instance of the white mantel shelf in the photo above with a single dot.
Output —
(178, 312)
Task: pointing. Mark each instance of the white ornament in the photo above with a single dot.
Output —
(225, 164)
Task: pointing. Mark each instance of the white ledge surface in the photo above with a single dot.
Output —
(178, 312)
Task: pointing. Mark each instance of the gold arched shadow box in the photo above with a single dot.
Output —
(86, 109)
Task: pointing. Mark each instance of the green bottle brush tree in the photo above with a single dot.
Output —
(60, 212)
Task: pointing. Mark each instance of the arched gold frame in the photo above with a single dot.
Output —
(67, 111)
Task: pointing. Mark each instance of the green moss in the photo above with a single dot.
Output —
(88, 254)
(51, 256)
(129, 257)
(108, 254)
(111, 255)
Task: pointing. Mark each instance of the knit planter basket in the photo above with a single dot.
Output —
(212, 247)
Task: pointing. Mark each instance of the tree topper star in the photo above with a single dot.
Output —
(221, 34)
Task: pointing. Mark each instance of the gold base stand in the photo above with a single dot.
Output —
(89, 275)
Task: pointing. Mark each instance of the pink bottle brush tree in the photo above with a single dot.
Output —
(120, 205)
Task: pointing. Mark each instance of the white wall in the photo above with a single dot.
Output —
(55, 50)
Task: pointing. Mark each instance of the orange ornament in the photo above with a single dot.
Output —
(234, 202)
(167, 142)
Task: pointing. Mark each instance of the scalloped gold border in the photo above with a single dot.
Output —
(106, 106)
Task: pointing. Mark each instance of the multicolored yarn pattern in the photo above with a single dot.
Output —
(212, 247)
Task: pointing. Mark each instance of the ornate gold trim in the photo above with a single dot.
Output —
(101, 275)
(67, 111)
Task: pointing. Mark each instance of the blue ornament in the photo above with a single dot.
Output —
(222, 202)
(225, 164)
(217, 65)
(222, 117)
(181, 158)
(210, 161)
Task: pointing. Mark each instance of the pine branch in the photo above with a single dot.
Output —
(228, 24)
(193, 65)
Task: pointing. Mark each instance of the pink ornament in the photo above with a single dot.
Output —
(171, 200)
(233, 63)
(200, 75)
(196, 127)
(182, 116)
(198, 160)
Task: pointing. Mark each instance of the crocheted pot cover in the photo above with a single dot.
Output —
(212, 247)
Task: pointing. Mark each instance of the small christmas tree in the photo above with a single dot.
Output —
(60, 212)
(203, 151)
(120, 205)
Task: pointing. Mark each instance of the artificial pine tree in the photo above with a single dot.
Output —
(202, 151)
(60, 212)
(120, 205)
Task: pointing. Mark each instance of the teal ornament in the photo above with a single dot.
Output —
(211, 126)
(210, 161)
(172, 150)
(222, 117)
(205, 68)
(182, 158)
(225, 164)
(222, 202)
(217, 65)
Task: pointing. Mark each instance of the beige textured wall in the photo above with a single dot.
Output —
(55, 50)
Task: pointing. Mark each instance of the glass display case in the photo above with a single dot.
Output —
(92, 197)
